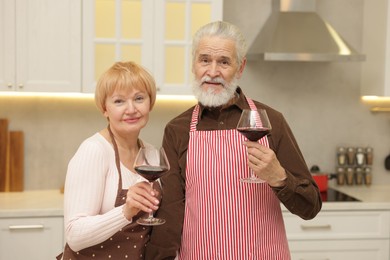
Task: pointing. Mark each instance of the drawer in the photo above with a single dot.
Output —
(339, 225)
(31, 238)
(374, 249)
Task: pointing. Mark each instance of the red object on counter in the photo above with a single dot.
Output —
(322, 181)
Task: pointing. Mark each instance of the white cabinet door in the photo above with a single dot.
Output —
(374, 249)
(113, 31)
(7, 44)
(31, 238)
(375, 76)
(40, 47)
(155, 34)
(175, 24)
(329, 225)
(339, 235)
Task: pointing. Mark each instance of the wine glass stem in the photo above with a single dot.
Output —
(253, 175)
(150, 217)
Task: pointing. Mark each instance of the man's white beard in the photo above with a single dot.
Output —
(209, 97)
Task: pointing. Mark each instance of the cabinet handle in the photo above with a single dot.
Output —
(18, 227)
(307, 227)
(9, 85)
(314, 259)
(20, 86)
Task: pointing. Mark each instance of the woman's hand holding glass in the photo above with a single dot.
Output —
(141, 197)
(151, 163)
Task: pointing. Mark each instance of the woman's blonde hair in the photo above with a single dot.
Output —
(124, 76)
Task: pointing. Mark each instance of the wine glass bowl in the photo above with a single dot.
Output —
(254, 134)
(151, 163)
(254, 125)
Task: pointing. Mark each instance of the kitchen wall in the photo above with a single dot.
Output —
(321, 101)
(55, 127)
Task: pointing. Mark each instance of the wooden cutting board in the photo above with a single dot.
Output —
(11, 158)
(3, 154)
(16, 161)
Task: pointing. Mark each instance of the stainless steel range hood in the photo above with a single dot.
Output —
(295, 32)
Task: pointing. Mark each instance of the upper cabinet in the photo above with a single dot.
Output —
(40, 45)
(65, 45)
(156, 34)
(375, 79)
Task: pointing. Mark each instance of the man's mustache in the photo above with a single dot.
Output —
(217, 80)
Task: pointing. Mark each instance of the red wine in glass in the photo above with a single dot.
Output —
(254, 125)
(151, 173)
(151, 163)
(254, 134)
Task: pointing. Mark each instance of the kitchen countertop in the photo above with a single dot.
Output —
(374, 197)
(39, 203)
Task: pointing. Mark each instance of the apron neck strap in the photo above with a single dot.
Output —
(117, 159)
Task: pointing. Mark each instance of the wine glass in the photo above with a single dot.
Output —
(254, 124)
(151, 163)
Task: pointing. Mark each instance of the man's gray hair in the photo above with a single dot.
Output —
(224, 30)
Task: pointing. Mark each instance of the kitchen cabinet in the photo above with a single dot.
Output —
(375, 79)
(40, 45)
(339, 235)
(156, 34)
(31, 224)
(31, 237)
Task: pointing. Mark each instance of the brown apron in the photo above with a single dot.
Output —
(127, 243)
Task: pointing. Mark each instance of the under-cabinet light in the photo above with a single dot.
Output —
(380, 109)
(377, 103)
(45, 94)
(84, 95)
(376, 98)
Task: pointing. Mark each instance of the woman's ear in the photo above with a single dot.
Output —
(105, 114)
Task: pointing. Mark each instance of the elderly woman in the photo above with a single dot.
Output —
(103, 194)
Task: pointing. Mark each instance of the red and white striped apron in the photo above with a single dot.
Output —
(224, 217)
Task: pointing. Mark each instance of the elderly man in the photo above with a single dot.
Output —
(210, 213)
